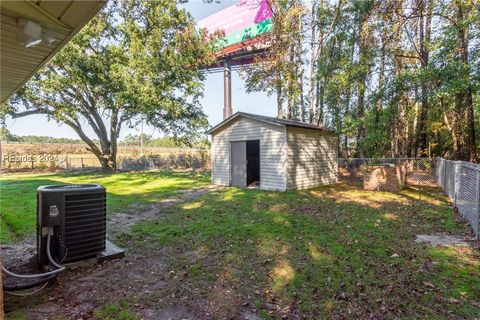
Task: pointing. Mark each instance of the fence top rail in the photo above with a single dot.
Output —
(466, 164)
(120, 145)
(120, 158)
(379, 159)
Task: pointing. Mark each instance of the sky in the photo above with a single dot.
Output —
(212, 102)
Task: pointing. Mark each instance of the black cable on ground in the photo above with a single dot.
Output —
(45, 277)
(30, 285)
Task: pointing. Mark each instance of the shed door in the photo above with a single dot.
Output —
(238, 160)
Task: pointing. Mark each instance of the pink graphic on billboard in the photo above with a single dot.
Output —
(244, 14)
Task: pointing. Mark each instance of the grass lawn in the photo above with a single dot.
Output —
(18, 194)
(329, 252)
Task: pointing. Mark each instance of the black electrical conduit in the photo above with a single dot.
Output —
(50, 275)
(30, 285)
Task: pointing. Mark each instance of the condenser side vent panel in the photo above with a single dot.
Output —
(85, 225)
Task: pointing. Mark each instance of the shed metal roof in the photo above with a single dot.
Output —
(271, 120)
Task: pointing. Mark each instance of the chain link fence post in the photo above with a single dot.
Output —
(444, 175)
(456, 183)
(478, 204)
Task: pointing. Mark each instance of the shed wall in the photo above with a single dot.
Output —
(272, 151)
(312, 158)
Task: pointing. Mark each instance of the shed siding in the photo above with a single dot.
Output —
(312, 158)
(272, 151)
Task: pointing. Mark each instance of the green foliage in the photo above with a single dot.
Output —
(281, 70)
(390, 76)
(135, 61)
(47, 139)
(115, 312)
(6, 135)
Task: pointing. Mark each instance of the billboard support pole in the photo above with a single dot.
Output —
(227, 89)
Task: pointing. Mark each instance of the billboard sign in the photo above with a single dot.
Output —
(242, 22)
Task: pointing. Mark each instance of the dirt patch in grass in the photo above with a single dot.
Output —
(444, 240)
(122, 222)
(20, 254)
(78, 292)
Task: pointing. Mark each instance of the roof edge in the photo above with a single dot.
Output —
(234, 116)
(61, 44)
(270, 120)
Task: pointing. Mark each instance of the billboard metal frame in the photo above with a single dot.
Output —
(250, 26)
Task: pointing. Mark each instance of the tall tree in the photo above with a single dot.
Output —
(393, 77)
(313, 52)
(136, 61)
(278, 72)
(364, 42)
(424, 8)
(465, 96)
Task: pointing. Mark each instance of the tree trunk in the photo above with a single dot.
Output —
(361, 120)
(381, 79)
(465, 97)
(361, 83)
(452, 129)
(459, 116)
(321, 102)
(108, 162)
(424, 39)
(472, 144)
(290, 83)
(302, 101)
(318, 89)
(400, 101)
(279, 96)
(299, 72)
(313, 52)
(379, 99)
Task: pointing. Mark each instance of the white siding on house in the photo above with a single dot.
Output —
(312, 158)
(272, 151)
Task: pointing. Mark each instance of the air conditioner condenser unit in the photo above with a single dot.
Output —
(77, 215)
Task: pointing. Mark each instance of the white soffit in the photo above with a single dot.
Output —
(60, 19)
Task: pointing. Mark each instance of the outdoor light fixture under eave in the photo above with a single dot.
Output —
(30, 34)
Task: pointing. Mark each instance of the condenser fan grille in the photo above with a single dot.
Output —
(84, 225)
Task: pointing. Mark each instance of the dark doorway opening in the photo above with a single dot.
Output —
(253, 162)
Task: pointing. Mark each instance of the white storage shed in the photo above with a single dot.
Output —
(272, 153)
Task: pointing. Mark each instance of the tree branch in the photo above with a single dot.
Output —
(28, 113)
(76, 126)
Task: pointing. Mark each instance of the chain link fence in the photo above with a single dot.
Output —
(193, 162)
(460, 180)
(420, 171)
(187, 160)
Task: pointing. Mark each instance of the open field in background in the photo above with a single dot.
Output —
(51, 157)
(81, 149)
(331, 252)
(125, 191)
